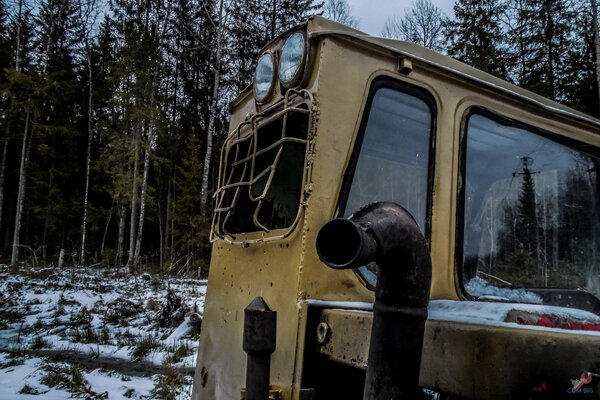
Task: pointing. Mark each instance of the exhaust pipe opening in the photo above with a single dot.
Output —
(387, 234)
(339, 243)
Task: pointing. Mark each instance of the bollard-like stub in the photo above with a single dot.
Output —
(260, 327)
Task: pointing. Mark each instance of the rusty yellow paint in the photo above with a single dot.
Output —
(474, 361)
(286, 273)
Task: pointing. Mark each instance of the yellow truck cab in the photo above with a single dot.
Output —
(499, 186)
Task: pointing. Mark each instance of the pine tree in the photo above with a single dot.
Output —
(21, 32)
(596, 41)
(188, 219)
(107, 189)
(5, 54)
(526, 227)
(475, 35)
(545, 33)
(580, 81)
(141, 29)
(57, 131)
(20, 90)
(253, 24)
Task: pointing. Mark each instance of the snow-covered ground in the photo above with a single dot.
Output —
(97, 334)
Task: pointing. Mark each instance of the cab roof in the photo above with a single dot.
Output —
(318, 26)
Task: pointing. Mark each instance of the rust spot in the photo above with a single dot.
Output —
(204, 376)
(347, 283)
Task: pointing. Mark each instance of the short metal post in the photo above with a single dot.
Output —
(260, 331)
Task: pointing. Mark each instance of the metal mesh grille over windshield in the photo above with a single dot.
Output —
(262, 172)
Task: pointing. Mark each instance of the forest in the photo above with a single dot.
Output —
(112, 112)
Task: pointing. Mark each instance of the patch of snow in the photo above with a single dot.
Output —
(119, 387)
(494, 314)
(480, 288)
(346, 305)
(70, 311)
(183, 329)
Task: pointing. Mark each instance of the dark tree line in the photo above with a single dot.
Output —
(547, 46)
(111, 118)
(112, 112)
(548, 236)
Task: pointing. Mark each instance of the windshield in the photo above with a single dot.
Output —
(531, 213)
(393, 162)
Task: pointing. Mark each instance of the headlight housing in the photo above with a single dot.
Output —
(264, 77)
(293, 55)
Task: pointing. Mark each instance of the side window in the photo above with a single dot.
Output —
(391, 159)
(531, 215)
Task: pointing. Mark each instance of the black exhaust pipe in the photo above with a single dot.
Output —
(387, 234)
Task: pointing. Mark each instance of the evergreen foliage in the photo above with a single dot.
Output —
(580, 83)
(546, 46)
(546, 42)
(526, 222)
(153, 80)
(474, 36)
(254, 24)
(188, 222)
(5, 55)
(151, 70)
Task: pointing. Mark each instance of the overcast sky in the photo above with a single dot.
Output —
(373, 13)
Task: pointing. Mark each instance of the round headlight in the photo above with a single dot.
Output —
(292, 59)
(264, 77)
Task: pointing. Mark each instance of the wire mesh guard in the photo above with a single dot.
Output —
(263, 173)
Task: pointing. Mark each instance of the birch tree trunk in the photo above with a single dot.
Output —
(18, 48)
(7, 132)
(48, 204)
(132, 226)
(160, 230)
(213, 113)
(89, 155)
(112, 205)
(86, 15)
(167, 222)
(596, 42)
(20, 194)
(138, 244)
(2, 168)
(121, 240)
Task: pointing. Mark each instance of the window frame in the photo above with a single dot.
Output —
(462, 159)
(386, 82)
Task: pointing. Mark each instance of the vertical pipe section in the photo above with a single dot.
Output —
(260, 331)
(387, 234)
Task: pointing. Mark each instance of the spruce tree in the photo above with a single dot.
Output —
(58, 134)
(5, 54)
(580, 82)
(545, 32)
(475, 36)
(188, 220)
(255, 23)
(526, 227)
